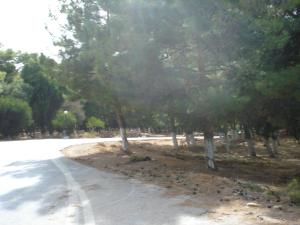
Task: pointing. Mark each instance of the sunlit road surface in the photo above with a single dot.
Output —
(38, 186)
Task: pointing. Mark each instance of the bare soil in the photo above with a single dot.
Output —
(239, 180)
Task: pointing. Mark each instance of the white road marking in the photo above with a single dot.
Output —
(88, 215)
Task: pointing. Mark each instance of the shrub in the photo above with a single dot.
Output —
(294, 191)
(64, 121)
(94, 123)
(15, 116)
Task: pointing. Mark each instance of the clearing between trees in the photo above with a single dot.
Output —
(255, 188)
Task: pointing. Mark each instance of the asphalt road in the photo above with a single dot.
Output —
(38, 186)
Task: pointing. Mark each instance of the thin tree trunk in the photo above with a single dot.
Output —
(122, 126)
(173, 133)
(250, 143)
(209, 149)
(274, 146)
(192, 139)
(269, 147)
(251, 147)
(174, 140)
(275, 142)
(227, 142)
(188, 140)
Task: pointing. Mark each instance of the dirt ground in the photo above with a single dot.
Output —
(253, 188)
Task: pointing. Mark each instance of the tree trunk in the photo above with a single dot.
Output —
(227, 142)
(122, 126)
(209, 149)
(269, 147)
(125, 145)
(192, 140)
(188, 140)
(174, 140)
(274, 145)
(275, 142)
(250, 143)
(173, 133)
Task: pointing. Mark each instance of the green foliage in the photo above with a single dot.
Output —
(294, 191)
(252, 186)
(64, 121)
(46, 96)
(94, 123)
(15, 116)
(194, 65)
(11, 83)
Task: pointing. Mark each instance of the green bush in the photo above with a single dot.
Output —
(15, 116)
(64, 121)
(94, 123)
(294, 191)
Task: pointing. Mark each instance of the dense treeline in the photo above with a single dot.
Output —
(29, 96)
(32, 100)
(195, 65)
(185, 65)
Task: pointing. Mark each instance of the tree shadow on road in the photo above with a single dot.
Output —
(36, 182)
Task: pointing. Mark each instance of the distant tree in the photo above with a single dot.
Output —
(46, 96)
(64, 121)
(15, 116)
(11, 83)
(94, 123)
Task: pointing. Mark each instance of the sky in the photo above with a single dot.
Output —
(22, 26)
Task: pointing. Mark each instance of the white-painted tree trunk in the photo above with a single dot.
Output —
(174, 140)
(122, 126)
(125, 145)
(188, 140)
(274, 145)
(209, 151)
(251, 147)
(269, 147)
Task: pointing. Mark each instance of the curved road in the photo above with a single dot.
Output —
(38, 186)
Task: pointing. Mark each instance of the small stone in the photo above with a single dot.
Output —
(218, 191)
(252, 204)
(226, 199)
(260, 217)
(277, 207)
